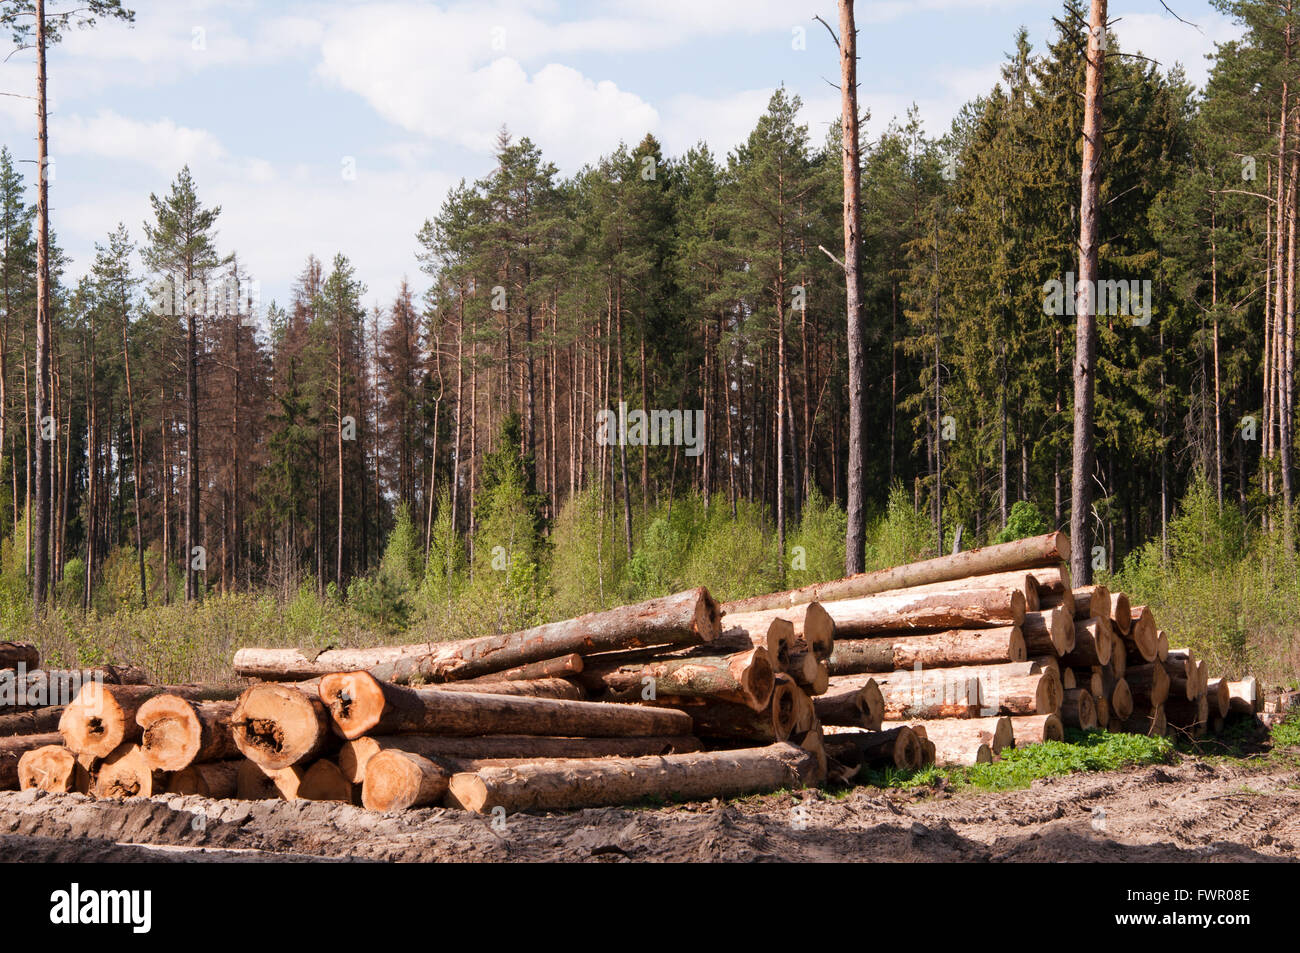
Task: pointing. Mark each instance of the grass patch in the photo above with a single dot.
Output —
(1020, 767)
(1286, 733)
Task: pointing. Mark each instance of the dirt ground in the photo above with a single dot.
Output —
(1196, 810)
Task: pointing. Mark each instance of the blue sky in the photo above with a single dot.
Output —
(273, 105)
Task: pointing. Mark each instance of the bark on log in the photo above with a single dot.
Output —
(176, 732)
(897, 747)
(1022, 579)
(214, 779)
(892, 612)
(562, 785)
(952, 735)
(395, 780)
(125, 773)
(1067, 678)
(741, 631)
(1186, 713)
(354, 755)
(1037, 693)
(102, 717)
(1092, 602)
(1245, 697)
(727, 721)
(21, 690)
(256, 783)
(360, 704)
(810, 625)
(1148, 684)
(1055, 587)
(52, 768)
(1048, 632)
(1093, 643)
(746, 678)
(685, 618)
(1150, 722)
(930, 693)
(1046, 550)
(849, 705)
(1035, 729)
(12, 750)
(1078, 710)
(293, 665)
(13, 654)
(562, 666)
(278, 726)
(35, 722)
(955, 647)
(531, 688)
(1102, 708)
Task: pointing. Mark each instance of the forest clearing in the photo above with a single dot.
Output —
(639, 432)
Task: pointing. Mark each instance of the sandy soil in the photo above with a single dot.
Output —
(1197, 810)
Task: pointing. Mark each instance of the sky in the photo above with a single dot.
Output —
(324, 127)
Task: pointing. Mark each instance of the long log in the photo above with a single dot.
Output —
(1048, 632)
(1219, 691)
(125, 773)
(930, 693)
(1092, 602)
(293, 665)
(849, 705)
(278, 726)
(21, 690)
(324, 781)
(35, 722)
(562, 666)
(561, 785)
(685, 618)
(214, 779)
(810, 626)
(727, 721)
(531, 688)
(14, 654)
(1049, 549)
(1078, 710)
(956, 739)
(898, 747)
(741, 631)
(1021, 579)
(1035, 729)
(1093, 643)
(12, 750)
(1037, 693)
(176, 732)
(746, 678)
(52, 768)
(354, 755)
(395, 780)
(360, 704)
(891, 612)
(955, 647)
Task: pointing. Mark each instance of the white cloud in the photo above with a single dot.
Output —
(1161, 37)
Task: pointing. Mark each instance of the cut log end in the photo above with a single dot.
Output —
(396, 780)
(52, 768)
(277, 726)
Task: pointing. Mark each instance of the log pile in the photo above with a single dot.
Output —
(949, 661)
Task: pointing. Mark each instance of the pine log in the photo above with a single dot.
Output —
(1148, 684)
(1092, 602)
(1142, 637)
(1048, 632)
(745, 678)
(1092, 678)
(354, 755)
(1181, 666)
(1219, 692)
(1067, 678)
(741, 631)
(176, 732)
(952, 736)
(125, 773)
(294, 665)
(1055, 587)
(1033, 693)
(1186, 713)
(1046, 550)
(1121, 699)
(1119, 656)
(1147, 721)
(531, 688)
(52, 768)
(101, 719)
(563, 785)
(1035, 729)
(21, 690)
(810, 625)
(1016, 579)
(891, 612)
(849, 705)
(12, 750)
(949, 751)
(929, 693)
(14, 654)
(1121, 614)
(395, 780)
(560, 667)
(35, 722)
(685, 618)
(1078, 710)
(1093, 643)
(897, 747)
(1162, 645)
(256, 783)
(279, 726)
(1101, 707)
(717, 720)
(324, 781)
(359, 704)
(1244, 696)
(1202, 677)
(214, 779)
(803, 715)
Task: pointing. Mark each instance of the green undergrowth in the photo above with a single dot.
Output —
(1019, 767)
